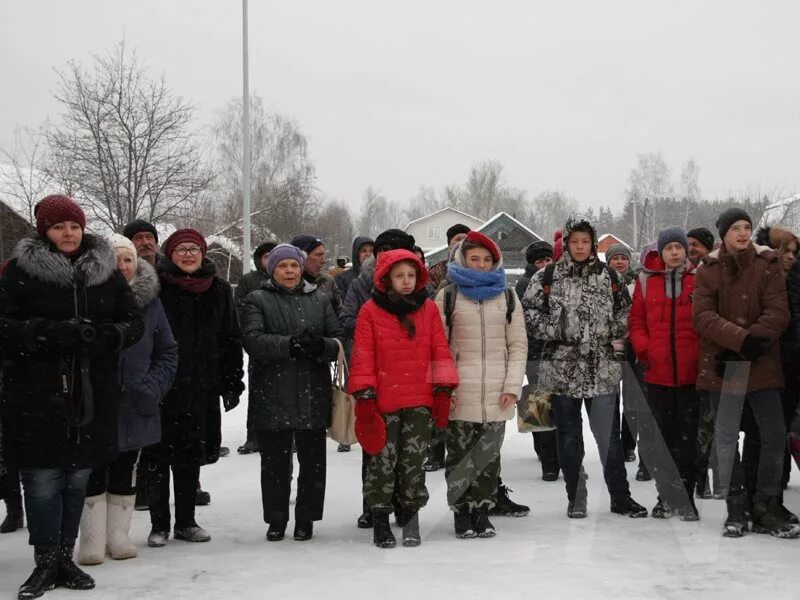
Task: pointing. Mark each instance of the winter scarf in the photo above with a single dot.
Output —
(196, 283)
(477, 285)
(401, 306)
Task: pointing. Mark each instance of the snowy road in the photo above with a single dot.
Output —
(545, 555)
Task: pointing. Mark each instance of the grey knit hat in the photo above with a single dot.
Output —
(672, 234)
(616, 249)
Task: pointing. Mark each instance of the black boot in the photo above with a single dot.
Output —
(201, 498)
(505, 507)
(576, 509)
(411, 536)
(662, 510)
(303, 531)
(480, 520)
(462, 522)
(768, 518)
(643, 474)
(628, 506)
(736, 521)
(44, 575)
(69, 575)
(142, 501)
(14, 514)
(382, 535)
(276, 531)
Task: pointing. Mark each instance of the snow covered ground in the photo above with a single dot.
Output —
(544, 555)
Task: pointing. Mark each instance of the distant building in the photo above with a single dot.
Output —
(605, 241)
(13, 228)
(430, 231)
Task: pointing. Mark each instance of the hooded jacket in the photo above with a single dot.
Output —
(737, 295)
(147, 368)
(660, 323)
(42, 385)
(586, 309)
(357, 295)
(344, 280)
(402, 370)
(253, 280)
(490, 354)
(288, 392)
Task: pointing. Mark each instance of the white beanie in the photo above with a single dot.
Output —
(120, 242)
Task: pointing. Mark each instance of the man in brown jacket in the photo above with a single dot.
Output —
(740, 311)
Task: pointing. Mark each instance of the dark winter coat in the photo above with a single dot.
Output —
(736, 296)
(41, 287)
(534, 345)
(147, 368)
(250, 282)
(206, 327)
(325, 284)
(357, 295)
(344, 280)
(660, 325)
(287, 392)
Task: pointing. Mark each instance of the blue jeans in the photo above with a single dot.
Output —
(604, 421)
(54, 503)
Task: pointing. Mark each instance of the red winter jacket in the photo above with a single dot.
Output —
(401, 370)
(661, 329)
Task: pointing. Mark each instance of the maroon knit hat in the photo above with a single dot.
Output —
(57, 209)
(185, 236)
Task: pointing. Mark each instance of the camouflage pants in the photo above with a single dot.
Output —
(473, 462)
(398, 468)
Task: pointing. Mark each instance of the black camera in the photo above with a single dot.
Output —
(86, 331)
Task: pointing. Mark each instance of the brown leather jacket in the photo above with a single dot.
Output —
(736, 296)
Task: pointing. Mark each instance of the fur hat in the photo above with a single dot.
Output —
(57, 209)
(538, 251)
(394, 239)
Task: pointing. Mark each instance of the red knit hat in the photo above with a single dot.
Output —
(185, 236)
(57, 209)
(476, 237)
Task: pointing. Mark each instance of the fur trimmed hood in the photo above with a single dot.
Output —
(145, 286)
(95, 264)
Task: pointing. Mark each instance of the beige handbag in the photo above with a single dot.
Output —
(343, 405)
(535, 414)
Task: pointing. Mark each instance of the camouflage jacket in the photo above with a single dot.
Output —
(588, 308)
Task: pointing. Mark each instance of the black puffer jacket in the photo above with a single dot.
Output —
(206, 327)
(287, 392)
(51, 386)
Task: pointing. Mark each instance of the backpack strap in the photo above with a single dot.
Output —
(450, 293)
(511, 303)
(643, 283)
(547, 284)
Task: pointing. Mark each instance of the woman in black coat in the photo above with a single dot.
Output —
(65, 314)
(203, 319)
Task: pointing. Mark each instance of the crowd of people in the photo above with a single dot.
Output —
(119, 356)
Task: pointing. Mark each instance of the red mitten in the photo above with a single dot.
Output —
(441, 407)
(370, 427)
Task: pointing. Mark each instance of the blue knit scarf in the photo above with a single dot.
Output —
(477, 285)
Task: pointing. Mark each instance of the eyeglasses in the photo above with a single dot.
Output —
(192, 251)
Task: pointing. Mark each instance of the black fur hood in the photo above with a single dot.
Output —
(95, 264)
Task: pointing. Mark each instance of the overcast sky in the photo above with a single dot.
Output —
(402, 94)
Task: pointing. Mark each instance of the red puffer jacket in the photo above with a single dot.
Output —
(660, 327)
(402, 370)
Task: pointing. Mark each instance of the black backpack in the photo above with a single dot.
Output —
(450, 293)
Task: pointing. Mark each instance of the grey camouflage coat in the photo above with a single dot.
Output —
(587, 311)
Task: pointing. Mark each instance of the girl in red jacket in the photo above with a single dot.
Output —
(665, 342)
(402, 376)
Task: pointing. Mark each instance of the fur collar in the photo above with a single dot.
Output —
(95, 264)
(145, 286)
(367, 272)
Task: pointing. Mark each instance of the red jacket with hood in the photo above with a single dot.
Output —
(402, 370)
(660, 325)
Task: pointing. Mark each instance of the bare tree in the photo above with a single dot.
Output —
(334, 226)
(23, 180)
(649, 183)
(424, 203)
(549, 211)
(689, 189)
(125, 143)
(378, 213)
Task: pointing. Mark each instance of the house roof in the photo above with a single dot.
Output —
(450, 208)
(620, 240)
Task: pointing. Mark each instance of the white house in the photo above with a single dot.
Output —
(430, 231)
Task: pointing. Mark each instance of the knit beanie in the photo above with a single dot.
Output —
(455, 230)
(616, 250)
(672, 234)
(262, 249)
(538, 251)
(57, 209)
(476, 237)
(702, 235)
(185, 236)
(137, 226)
(284, 252)
(394, 239)
(558, 245)
(729, 217)
(306, 243)
(120, 242)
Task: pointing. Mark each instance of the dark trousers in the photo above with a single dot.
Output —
(544, 444)
(276, 474)
(183, 458)
(54, 503)
(767, 420)
(604, 421)
(117, 477)
(705, 458)
(669, 440)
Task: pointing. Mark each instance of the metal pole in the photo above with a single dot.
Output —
(246, 266)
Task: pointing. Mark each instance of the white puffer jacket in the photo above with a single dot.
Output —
(490, 354)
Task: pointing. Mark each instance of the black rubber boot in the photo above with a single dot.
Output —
(44, 575)
(462, 522)
(480, 521)
(69, 575)
(768, 518)
(382, 535)
(15, 516)
(736, 521)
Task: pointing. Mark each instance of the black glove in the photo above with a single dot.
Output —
(56, 335)
(754, 347)
(230, 401)
(107, 338)
(723, 358)
(307, 346)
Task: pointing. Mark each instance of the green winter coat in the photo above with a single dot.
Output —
(288, 393)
